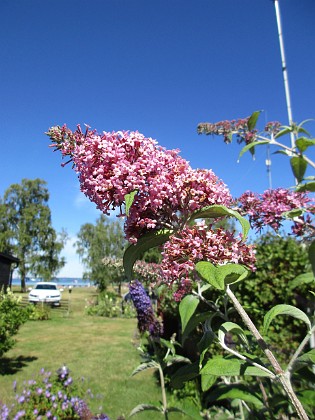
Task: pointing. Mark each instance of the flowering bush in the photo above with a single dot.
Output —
(161, 196)
(49, 397)
(12, 316)
(111, 306)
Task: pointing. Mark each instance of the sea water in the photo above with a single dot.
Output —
(61, 281)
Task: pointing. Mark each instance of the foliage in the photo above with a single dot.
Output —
(39, 312)
(26, 230)
(12, 316)
(111, 306)
(280, 259)
(53, 396)
(97, 241)
(163, 197)
(163, 356)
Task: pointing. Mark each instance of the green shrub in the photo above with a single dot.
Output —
(12, 316)
(110, 305)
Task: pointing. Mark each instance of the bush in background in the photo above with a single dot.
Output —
(12, 316)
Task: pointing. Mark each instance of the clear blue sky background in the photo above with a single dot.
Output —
(157, 66)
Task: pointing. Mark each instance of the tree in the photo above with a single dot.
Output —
(26, 230)
(97, 241)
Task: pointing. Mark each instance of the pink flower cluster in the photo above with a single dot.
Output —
(267, 209)
(202, 243)
(228, 128)
(111, 165)
(238, 127)
(168, 191)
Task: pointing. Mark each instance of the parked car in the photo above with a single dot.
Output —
(45, 292)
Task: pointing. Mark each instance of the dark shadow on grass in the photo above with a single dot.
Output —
(12, 365)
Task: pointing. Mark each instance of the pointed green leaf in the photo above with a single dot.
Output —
(307, 359)
(253, 120)
(285, 310)
(231, 273)
(129, 199)
(219, 366)
(144, 407)
(303, 143)
(219, 277)
(145, 366)
(283, 132)
(234, 391)
(308, 186)
(175, 410)
(194, 321)
(147, 241)
(251, 145)
(282, 152)
(184, 374)
(207, 381)
(293, 213)
(207, 272)
(187, 308)
(311, 255)
(231, 327)
(216, 211)
(298, 166)
(304, 278)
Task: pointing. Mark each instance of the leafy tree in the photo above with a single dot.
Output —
(27, 232)
(97, 241)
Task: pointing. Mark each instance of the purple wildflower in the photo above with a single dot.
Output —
(145, 314)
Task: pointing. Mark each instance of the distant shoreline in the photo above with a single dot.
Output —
(61, 281)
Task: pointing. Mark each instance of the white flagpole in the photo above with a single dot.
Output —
(284, 70)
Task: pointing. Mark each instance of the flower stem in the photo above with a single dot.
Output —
(282, 376)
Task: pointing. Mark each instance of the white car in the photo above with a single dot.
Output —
(45, 292)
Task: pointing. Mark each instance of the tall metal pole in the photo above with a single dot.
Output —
(284, 70)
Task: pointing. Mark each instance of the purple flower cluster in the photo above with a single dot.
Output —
(146, 318)
(48, 398)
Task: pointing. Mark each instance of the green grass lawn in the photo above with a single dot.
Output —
(100, 350)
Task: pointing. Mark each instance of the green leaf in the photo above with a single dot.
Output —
(293, 213)
(304, 278)
(303, 143)
(311, 255)
(307, 397)
(208, 272)
(282, 152)
(147, 241)
(251, 145)
(253, 120)
(207, 381)
(184, 374)
(283, 132)
(129, 199)
(145, 366)
(298, 166)
(187, 308)
(196, 319)
(308, 186)
(219, 277)
(216, 211)
(284, 310)
(232, 328)
(144, 407)
(231, 273)
(235, 391)
(219, 366)
(307, 359)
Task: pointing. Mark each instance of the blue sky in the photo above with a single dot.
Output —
(157, 66)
